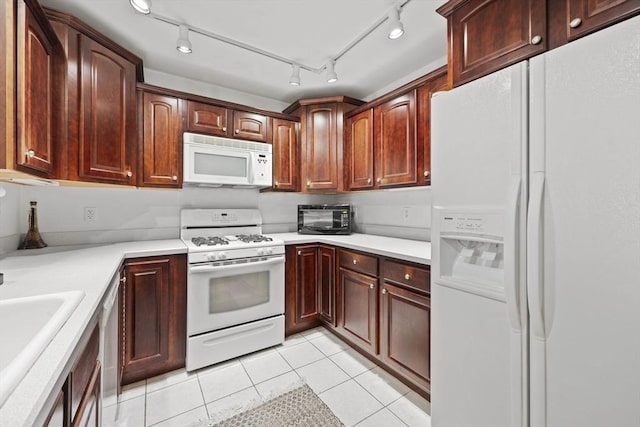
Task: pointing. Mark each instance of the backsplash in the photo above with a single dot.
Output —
(124, 214)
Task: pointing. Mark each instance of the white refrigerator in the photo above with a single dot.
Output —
(536, 241)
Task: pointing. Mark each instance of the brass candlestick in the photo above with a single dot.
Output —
(33, 240)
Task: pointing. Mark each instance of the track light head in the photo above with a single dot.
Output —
(183, 44)
(395, 27)
(141, 6)
(332, 77)
(294, 80)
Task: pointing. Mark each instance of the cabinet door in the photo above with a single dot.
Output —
(206, 118)
(405, 333)
(586, 16)
(437, 83)
(58, 415)
(285, 155)
(320, 154)
(251, 126)
(359, 151)
(161, 141)
(301, 306)
(395, 142)
(107, 140)
(89, 412)
(37, 94)
(82, 374)
(487, 35)
(154, 316)
(327, 283)
(359, 309)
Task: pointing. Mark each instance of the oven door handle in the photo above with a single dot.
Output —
(220, 268)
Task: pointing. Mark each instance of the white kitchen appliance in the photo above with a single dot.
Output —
(215, 162)
(536, 240)
(235, 285)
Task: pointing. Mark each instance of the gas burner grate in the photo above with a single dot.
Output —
(253, 238)
(209, 241)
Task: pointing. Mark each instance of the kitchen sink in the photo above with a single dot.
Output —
(27, 326)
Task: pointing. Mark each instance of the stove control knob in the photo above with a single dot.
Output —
(260, 251)
(222, 255)
(269, 251)
(211, 256)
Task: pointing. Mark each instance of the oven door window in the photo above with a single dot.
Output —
(233, 293)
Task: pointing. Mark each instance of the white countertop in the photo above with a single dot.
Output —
(90, 269)
(409, 250)
(50, 270)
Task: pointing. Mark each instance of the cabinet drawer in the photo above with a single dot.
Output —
(407, 275)
(359, 262)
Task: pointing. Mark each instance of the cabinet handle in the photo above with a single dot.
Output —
(426, 174)
(299, 252)
(275, 184)
(575, 23)
(123, 279)
(369, 181)
(237, 131)
(174, 177)
(384, 291)
(379, 180)
(31, 153)
(224, 128)
(308, 183)
(129, 174)
(536, 40)
(407, 276)
(355, 261)
(371, 286)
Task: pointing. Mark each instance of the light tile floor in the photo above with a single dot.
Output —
(357, 391)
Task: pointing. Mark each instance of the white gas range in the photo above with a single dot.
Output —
(235, 285)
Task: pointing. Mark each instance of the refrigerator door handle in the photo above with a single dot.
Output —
(534, 256)
(511, 258)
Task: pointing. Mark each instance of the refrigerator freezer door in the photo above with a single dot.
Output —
(585, 140)
(479, 336)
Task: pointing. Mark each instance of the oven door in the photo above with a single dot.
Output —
(219, 296)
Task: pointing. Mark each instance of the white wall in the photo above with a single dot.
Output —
(124, 214)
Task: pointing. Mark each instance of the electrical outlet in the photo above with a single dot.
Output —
(405, 214)
(90, 214)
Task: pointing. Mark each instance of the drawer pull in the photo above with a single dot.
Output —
(371, 286)
(224, 129)
(299, 252)
(536, 40)
(575, 23)
(407, 276)
(129, 174)
(174, 177)
(355, 261)
(384, 291)
(31, 153)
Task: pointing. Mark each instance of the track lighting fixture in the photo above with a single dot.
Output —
(396, 29)
(294, 80)
(331, 72)
(141, 6)
(183, 44)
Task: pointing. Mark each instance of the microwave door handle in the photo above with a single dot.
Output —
(251, 167)
(221, 268)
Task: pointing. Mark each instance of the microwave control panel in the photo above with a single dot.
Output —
(262, 168)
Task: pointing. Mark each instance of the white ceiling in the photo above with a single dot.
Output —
(307, 31)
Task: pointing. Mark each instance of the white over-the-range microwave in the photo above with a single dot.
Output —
(215, 162)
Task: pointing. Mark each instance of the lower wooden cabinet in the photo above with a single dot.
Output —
(58, 414)
(358, 309)
(405, 332)
(153, 304)
(301, 274)
(327, 284)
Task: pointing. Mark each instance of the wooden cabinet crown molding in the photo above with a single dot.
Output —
(83, 28)
(295, 107)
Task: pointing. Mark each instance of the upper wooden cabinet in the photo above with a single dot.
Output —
(396, 147)
(40, 64)
(161, 148)
(359, 153)
(206, 118)
(251, 126)
(99, 114)
(215, 120)
(285, 155)
(321, 135)
(435, 83)
(487, 35)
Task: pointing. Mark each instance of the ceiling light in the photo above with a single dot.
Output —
(396, 29)
(141, 6)
(294, 80)
(331, 72)
(183, 44)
